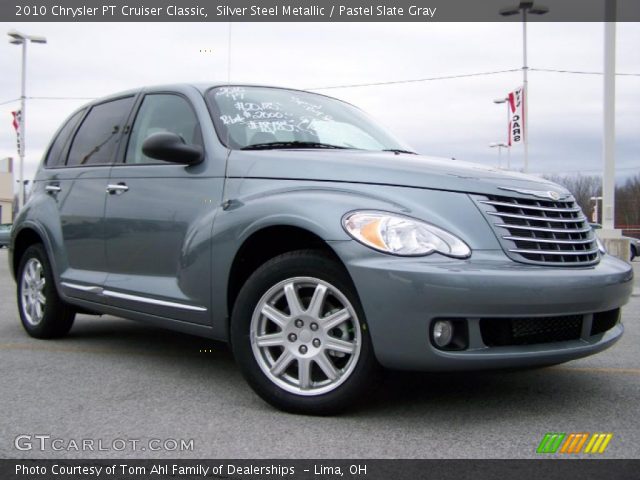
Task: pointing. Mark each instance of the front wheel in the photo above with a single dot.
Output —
(299, 335)
(43, 313)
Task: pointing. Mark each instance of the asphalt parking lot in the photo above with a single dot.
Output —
(116, 379)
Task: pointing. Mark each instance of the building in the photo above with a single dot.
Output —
(6, 190)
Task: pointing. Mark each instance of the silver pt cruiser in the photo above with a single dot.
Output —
(292, 226)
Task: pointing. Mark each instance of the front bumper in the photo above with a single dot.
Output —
(402, 296)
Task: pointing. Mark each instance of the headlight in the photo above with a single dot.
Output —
(400, 235)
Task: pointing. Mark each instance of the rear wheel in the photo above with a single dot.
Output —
(299, 335)
(634, 252)
(42, 312)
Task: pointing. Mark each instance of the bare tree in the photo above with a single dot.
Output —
(583, 187)
(627, 198)
(628, 206)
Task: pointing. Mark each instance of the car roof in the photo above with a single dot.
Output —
(201, 87)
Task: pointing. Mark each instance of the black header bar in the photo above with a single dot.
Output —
(315, 11)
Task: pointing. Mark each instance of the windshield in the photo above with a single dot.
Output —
(266, 118)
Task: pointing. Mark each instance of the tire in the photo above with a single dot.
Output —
(634, 254)
(42, 312)
(300, 339)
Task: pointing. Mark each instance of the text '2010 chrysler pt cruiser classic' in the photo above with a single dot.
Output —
(291, 225)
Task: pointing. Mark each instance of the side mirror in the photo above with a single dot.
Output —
(170, 147)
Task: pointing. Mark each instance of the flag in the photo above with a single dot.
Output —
(516, 116)
(17, 119)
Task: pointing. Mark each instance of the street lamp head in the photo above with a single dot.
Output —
(18, 38)
(508, 11)
(500, 100)
(16, 35)
(539, 10)
(526, 7)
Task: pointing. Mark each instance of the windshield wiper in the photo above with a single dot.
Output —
(292, 144)
(397, 150)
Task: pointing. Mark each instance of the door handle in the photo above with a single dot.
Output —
(52, 189)
(117, 189)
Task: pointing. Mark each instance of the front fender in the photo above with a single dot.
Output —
(318, 207)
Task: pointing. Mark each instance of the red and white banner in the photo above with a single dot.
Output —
(516, 116)
(17, 118)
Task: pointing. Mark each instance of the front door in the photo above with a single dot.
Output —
(158, 220)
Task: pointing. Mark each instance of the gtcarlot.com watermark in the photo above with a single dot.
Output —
(49, 443)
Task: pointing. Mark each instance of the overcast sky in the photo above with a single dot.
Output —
(453, 118)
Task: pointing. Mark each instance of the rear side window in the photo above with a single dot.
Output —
(98, 136)
(54, 156)
(162, 112)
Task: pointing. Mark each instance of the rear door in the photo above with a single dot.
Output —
(158, 219)
(77, 180)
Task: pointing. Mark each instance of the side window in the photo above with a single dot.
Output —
(97, 138)
(54, 155)
(161, 112)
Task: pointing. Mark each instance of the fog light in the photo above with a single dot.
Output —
(442, 333)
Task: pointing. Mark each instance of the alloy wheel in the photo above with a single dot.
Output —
(305, 336)
(32, 291)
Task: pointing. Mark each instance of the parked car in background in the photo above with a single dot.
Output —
(294, 227)
(5, 234)
(633, 242)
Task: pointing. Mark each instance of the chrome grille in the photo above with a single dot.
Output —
(537, 231)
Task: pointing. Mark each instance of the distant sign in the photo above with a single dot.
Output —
(516, 117)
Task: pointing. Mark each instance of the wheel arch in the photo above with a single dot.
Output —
(25, 237)
(263, 245)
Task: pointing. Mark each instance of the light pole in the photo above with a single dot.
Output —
(506, 101)
(525, 8)
(18, 38)
(500, 146)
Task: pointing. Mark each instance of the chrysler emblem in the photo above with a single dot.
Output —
(553, 195)
(548, 194)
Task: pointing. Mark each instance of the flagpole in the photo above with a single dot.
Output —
(23, 102)
(525, 7)
(525, 92)
(17, 38)
(508, 134)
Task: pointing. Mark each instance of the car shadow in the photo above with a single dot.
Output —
(440, 396)
(110, 334)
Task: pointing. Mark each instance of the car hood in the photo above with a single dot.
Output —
(381, 168)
